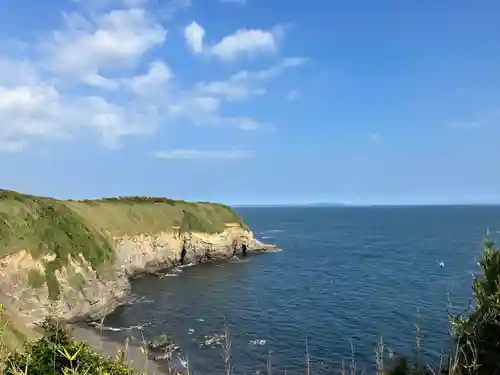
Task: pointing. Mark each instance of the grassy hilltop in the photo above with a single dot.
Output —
(42, 225)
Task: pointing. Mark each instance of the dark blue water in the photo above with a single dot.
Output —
(345, 275)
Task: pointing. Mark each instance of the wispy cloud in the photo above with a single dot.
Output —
(490, 118)
(192, 154)
(243, 84)
(375, 137)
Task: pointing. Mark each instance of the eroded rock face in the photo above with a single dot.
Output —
(152, 252)
(82, 291)
(86, 292)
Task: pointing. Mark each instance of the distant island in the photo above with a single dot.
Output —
(310, 204)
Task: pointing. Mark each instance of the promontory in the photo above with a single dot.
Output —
(73, 259)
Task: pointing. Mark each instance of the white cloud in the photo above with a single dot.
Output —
(194, 35)
(192, 154)
(42, 111)
(247, 42)
(244, 41)
(114, 122)
(28, 111)
(95, 75)
(116, 39)
(196, 109)
(246, 123)
(154, 80)
(94, 79)
(17, 72)
(232, 89)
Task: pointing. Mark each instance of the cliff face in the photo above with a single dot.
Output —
(74, 259)
(147, 253)
(83, 289)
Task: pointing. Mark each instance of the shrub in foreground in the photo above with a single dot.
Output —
(57, 353)
(477, 334)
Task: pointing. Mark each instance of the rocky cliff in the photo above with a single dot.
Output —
(74, 259)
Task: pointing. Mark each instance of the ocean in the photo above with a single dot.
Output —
(345, 278)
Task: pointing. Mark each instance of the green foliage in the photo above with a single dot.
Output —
(57, 353)
(402, 366)
(192, 222)
(134, 215)
(478, 334)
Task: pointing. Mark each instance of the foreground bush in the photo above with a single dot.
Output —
(57, 353)
(477, 335)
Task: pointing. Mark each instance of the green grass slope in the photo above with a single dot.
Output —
(44, 225)
(132, 215)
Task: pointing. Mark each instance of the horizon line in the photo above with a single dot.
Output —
(345, 205)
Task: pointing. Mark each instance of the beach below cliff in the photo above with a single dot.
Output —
(109, 348)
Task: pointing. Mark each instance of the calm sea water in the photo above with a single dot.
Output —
(346, 276)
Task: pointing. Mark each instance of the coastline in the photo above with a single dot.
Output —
(109, 347)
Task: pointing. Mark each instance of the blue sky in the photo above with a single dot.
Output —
(252, 102)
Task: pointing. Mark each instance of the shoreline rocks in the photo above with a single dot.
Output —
(87, 293)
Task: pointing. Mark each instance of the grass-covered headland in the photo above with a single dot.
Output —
(44, 226)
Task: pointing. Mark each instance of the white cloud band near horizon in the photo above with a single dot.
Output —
(193, 154)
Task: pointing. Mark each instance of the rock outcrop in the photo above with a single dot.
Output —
(88, 292)
(148, 253)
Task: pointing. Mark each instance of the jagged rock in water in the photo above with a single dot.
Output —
(160, 343)
(162, 348)
(215, 339)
